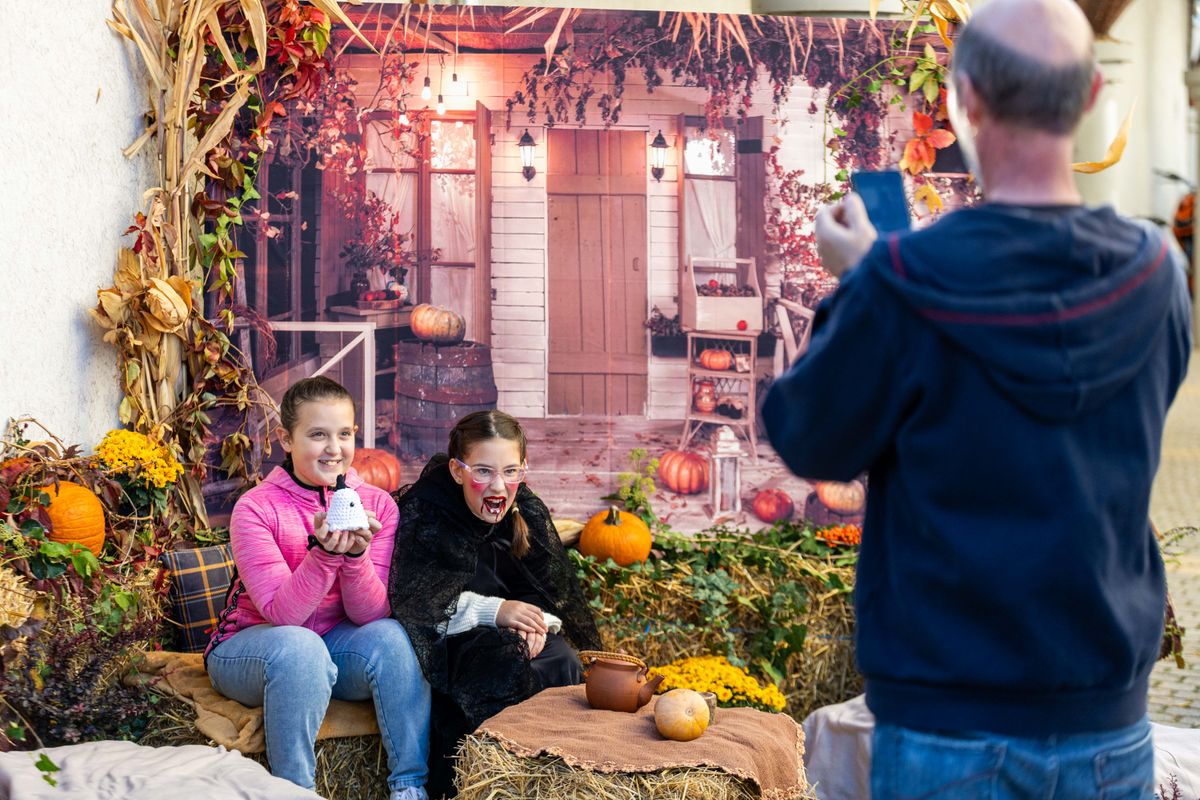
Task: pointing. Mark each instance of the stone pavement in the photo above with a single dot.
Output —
(1175, 502)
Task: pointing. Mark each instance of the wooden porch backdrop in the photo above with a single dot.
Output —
(596, 186)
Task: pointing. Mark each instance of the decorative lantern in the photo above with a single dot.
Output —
(725, 477)
(658, 157)
(527, 144)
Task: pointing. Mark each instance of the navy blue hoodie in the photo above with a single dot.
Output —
(1004, 375)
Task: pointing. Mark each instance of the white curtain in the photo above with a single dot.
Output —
(711, 218)
(453, 216)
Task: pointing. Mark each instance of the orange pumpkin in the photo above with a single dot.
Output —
(716, 359)
(76, 515)
(683, 473)
(773, 505)
(378, 468)
(681, 715)
(844, 498)
(439, 325)
(615, 534)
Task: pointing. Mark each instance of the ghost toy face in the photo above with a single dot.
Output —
(490, 474)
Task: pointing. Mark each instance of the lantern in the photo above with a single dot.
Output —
(725, 477)
(658, 157)
(526, 144)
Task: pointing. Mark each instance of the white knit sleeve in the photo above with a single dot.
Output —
(471, 611)
(552, 622)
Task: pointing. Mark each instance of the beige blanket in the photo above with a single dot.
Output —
(764, 748)
(229, 723)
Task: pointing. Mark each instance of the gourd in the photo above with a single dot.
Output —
(845, 498)
(683, 473)
(773, 505)
(439, 325)
(681, 715)
(76, 516)
(716, 359)
(616, 534)
(378, 468)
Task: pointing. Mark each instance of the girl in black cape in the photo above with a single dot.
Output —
(483, 586)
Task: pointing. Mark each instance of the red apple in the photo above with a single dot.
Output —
(742, 325)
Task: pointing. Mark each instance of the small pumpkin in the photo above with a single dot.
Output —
(773, 505)
(431, 323)
(616, 534)
(681, 715)
(378, 468)
(716, 359)
(844, 498)
(682, 472)
(76, 516)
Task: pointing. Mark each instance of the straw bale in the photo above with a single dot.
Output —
(487, 771)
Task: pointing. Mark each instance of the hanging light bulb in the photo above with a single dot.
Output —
(441, 106)
(426, 90)
(454, 82)
(403, 119)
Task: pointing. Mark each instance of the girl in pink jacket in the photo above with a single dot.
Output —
(307, 616)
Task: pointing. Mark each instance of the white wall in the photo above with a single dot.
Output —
(72, 99)
(1143, 60)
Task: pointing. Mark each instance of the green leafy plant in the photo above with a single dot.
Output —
(636, 486)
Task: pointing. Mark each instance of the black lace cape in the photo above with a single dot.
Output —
(437, 544)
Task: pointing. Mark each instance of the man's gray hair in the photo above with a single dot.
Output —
(1021, 90)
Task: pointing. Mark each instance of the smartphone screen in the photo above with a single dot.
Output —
(883, 195)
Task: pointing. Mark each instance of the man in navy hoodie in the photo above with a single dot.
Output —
(1004, 375)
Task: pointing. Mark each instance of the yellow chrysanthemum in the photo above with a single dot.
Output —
(135, 456)
(732, 685)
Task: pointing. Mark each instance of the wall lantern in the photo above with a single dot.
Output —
(658, 157)
(725, 475)
(527, 144)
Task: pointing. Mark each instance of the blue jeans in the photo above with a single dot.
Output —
(908, 764)
(292, 672)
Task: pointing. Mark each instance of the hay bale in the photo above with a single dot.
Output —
(487, 771)
(351, 767)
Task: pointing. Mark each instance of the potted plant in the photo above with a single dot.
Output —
(667, 338)
(378, 248)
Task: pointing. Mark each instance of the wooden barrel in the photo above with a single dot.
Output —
(436, 385)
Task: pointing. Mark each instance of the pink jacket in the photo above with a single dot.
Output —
(281, 582)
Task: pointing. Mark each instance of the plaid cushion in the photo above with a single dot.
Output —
(199, 580)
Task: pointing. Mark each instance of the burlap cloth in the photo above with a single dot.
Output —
(767, 749)
(228, 722)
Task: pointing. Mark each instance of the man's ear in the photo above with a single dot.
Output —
(968, 98)
(1097, 85)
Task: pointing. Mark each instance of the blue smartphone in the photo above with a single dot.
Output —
(883, 194)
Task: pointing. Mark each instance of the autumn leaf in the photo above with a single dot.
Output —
(1116, 149)
(921, 151)
(929, 196)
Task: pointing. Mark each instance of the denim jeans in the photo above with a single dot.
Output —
(908, 764)
(292, 672)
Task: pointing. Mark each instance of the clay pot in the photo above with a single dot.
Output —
(704, 399)
(619, 686)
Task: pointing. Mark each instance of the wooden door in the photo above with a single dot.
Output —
(596, 183)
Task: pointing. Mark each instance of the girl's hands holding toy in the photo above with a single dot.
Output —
(336, 542)
(363, 536)
(521, 617)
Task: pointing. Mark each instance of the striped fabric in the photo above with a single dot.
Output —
(199, 579)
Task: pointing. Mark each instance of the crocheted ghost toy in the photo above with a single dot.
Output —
(346, 511)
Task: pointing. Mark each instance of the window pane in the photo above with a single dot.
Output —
(399, 190)
(386, 149)
(711, 152)
(452, 209)
(454, 288)
(711, 218)
(452, 144)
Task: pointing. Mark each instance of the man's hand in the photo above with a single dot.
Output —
(844, 234)
(521, 617)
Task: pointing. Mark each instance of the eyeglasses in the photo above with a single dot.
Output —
(487, 474)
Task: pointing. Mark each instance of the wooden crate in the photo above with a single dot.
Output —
(698, 312)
